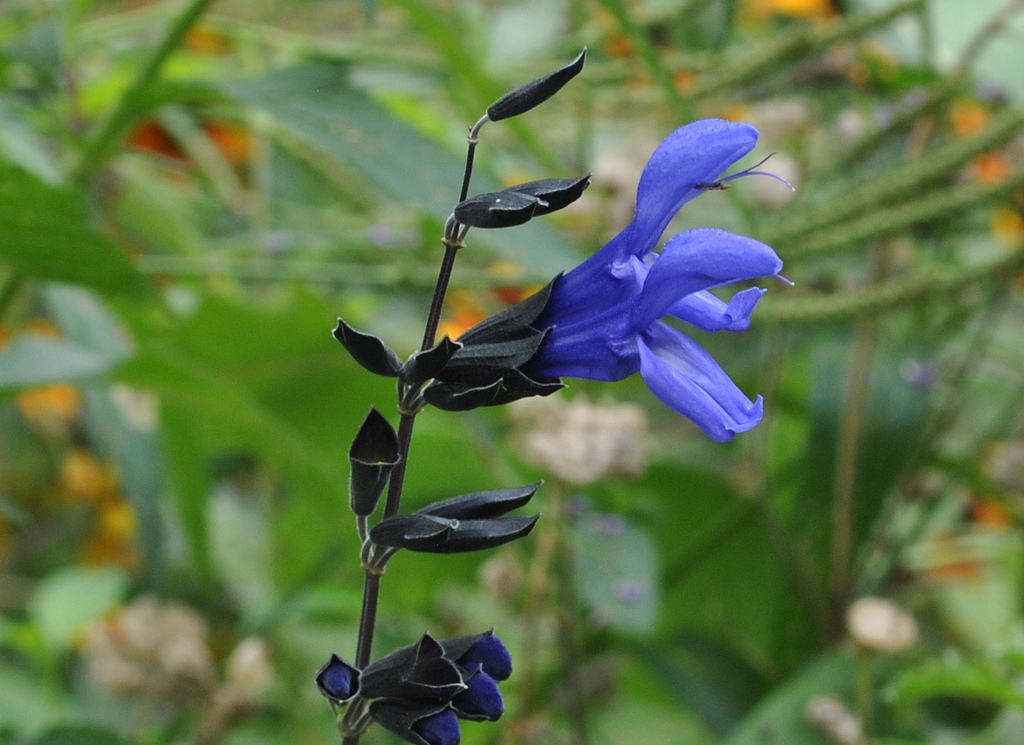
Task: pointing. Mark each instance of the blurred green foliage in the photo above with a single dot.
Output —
(191, 192)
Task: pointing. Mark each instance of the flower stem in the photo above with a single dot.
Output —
(453, 241)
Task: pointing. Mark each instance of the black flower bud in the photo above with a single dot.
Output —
(373, 455)
(536, 92)
(337, 680)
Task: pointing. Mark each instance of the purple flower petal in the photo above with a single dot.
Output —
(692, 155)
(601, 346)
(699, 260)
(687, 379)
(709, 313)
(491, 655)
(439, 729)
(481, 700)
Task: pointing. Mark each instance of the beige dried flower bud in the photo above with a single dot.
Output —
(152, 651)
(581, 442)
(502, 575)
(881, 625)
(829, 715)
(250, 668)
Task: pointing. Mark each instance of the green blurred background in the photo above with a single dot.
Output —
(192, 192)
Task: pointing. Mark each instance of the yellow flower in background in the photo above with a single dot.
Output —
(1008, 225)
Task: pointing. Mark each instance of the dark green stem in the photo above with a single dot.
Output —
(926, 284)
(127, 107)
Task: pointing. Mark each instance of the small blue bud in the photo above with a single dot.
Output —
(337, 680)
(491, 655)
(481, 700)
(441, 728)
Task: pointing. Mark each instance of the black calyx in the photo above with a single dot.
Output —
(536, 92)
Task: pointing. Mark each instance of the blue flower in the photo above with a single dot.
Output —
(439, 729)
(604, 314)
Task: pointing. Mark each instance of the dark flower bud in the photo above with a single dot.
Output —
(554, 193)
(373, 455)
(536, 92)
(477, 535)
(499, 209)
(419, 723)
(417, 672)
(337, 680)
(485, 651)
(425, 365)
(412, 531)
(509, 321)
(441, 728)
(464, 397)
(482, 504)
(481, 700)
(368, 350)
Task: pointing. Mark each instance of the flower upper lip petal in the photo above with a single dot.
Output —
(695, 154)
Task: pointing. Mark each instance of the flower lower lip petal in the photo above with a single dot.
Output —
(687, 379)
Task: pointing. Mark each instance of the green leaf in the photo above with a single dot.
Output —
(977, 678)
(47, 235)
(35, 360)
(314, 104)
(79, 734)
(20, 143)
(616, 571)
(781, 716)
(26, 704)
(710, 677)
(273, 385)
(122, 424)
(67, 601)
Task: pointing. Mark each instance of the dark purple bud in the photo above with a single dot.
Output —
(481, 700)
(441, 728)
(373, 455)
(337, 680)
(490, 654)
(536, 92)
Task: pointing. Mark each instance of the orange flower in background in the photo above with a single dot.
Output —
(790, 8)
(206, 40)
(234, 142)
(1008, 225)
(968, 116)
(466, 312)
(150, 137)
(84, 478)
(990, 168)
(684, 81)
(52, 406)
(115, 527)
(112, 540)
(990, 512)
